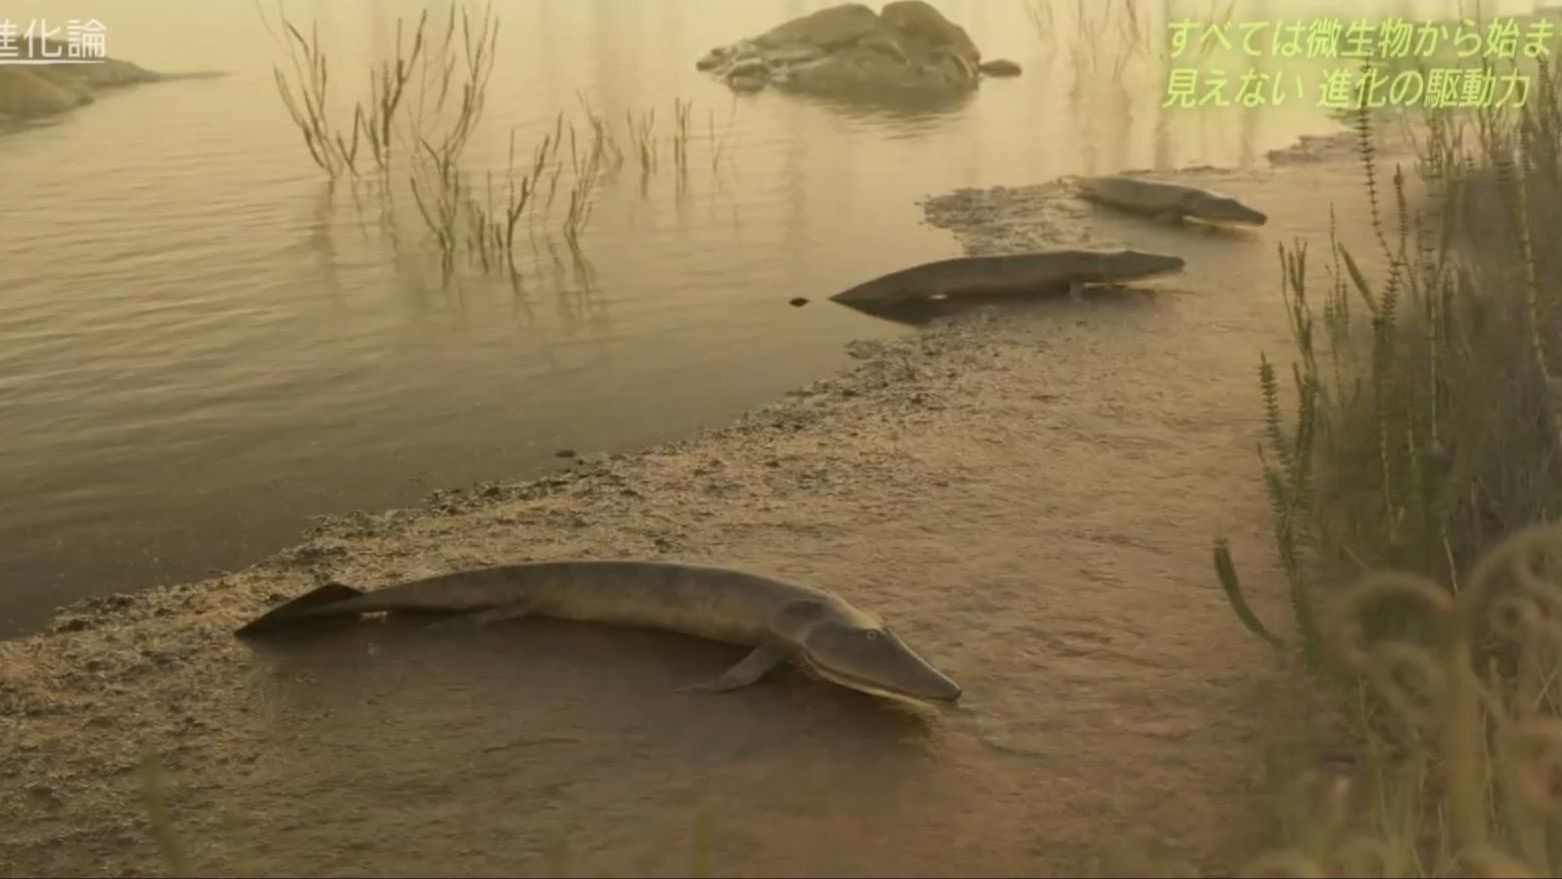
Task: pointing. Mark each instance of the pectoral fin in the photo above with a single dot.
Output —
(748, 671)
(1076, 292)
(1170, 218)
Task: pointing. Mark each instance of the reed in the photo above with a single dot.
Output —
(682, 112)
(424, 105)
(586, 169)
(642, 138)
(431, 92)
(1413, 461)
(307, 100)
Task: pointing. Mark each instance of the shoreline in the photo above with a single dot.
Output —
(985, 238)
(1027, 494)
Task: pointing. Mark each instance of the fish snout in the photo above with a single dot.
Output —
(924, 681)
(946, 690)
(1138, 264)
(1229, 210)
(1244, 214)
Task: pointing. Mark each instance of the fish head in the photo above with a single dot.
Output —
(1131, 265)
(869, 292)
(1223, 209)
(856, 650)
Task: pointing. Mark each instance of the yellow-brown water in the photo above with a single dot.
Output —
(1027, 497)
(201, 346)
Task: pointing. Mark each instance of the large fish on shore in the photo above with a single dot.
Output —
(779, 619)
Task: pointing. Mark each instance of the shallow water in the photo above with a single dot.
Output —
(202, 345)
(1027, 496)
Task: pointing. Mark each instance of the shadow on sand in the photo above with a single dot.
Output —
(918, 312)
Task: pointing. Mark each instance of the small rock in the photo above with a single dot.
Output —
(797, 301)
(749, 67)
(565, 453)
(999, 67)
(745, 83)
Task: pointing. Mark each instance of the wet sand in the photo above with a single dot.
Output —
(1027, 494)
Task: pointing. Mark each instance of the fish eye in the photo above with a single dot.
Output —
(872, 635)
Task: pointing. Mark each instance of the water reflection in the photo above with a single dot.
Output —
(336, 371)
(902, 106)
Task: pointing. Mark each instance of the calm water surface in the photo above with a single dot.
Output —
(201, 345)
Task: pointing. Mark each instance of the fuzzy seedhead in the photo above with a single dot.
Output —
(1409, 679)
(1489, 862)
(1516, 591)
(1406, 674)
(1365, 856)
(1286, 863)
(1533, 752)
(1513, 598)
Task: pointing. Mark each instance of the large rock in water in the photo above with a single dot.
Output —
(907, 47)
(831, 28)
(921, 28)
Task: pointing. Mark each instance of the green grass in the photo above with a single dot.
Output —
(1411, 454)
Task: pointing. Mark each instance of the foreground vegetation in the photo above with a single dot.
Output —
(1412, 461)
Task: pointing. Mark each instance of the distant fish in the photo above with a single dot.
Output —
(1053, 271)
(1169, 202)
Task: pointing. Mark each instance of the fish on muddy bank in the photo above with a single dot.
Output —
(1168, 202)
(1015, 274)
(779, 619)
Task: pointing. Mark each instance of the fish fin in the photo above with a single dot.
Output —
(1076, 292)
(1170, 218)
(320, 596)
(749, 670)
(485, 617)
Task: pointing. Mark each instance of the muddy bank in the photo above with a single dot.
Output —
(1028, 494)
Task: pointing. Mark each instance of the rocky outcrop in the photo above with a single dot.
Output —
(32, 91)
(849, 49)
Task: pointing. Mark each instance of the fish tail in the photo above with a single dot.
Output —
(300, 607)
